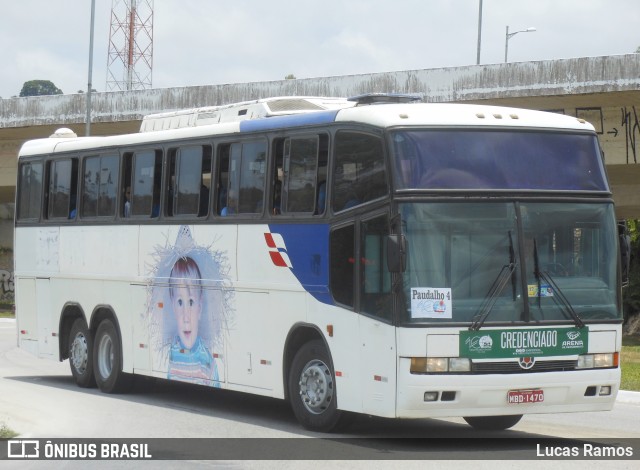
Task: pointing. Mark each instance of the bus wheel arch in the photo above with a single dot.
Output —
(311, 387)
(298, 336)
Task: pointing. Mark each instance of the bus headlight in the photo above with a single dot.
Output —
(439, 365)
(597, 361)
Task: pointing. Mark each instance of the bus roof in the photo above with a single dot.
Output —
(327, 110)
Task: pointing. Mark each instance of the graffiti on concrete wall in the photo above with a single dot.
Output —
(631, 126)
(6, 282)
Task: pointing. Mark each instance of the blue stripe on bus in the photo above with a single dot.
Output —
(307, 246)
(294, 120)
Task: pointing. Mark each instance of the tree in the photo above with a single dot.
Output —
(39, 88)
(290, 77)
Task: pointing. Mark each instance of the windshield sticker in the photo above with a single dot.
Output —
(431, 302)
(539, 342)
(545, 290)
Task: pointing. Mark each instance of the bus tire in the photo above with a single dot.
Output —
(107, 360)
(312, 388)
(493, 423)
(81, 354)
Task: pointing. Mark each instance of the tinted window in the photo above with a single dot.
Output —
(145, 187)
(30, 187)
(189, 181)
(62, 188)
(359, 172)
(343, 265)
(469, 159)
(375, 287)
(100, 182)
(244, 192)
(301, 170)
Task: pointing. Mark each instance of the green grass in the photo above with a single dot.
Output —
(630, 363)
(6, 433)
(7, 314)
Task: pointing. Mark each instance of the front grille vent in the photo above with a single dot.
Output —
(512, 367)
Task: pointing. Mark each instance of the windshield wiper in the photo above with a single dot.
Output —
(557, 292)
(507, 272)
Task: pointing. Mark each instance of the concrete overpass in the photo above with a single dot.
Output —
(603, 90)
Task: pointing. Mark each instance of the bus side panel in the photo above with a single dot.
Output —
(26, 317)
(47, 324)
(37, 257)
(268, 301)
(98, 264)
(378, 367)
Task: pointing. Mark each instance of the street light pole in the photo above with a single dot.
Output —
(89, 85)
(509, 35)
(479, 32)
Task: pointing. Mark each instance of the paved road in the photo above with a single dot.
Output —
(39, 399)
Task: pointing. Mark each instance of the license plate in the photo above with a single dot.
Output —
(522, 397)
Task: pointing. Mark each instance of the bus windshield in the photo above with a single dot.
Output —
(468, 159)
(471, 260)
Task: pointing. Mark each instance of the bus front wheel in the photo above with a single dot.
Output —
(312, 388)
(107, 360)
(81, 354)
(493, 423)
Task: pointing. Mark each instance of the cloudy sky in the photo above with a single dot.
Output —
(201, 42)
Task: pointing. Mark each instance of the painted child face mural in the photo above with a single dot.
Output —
(186, 299)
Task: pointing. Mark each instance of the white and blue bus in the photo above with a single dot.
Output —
(373, 256)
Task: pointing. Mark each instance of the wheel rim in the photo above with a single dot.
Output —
(79, 353)
(316, 386)
(105, 356)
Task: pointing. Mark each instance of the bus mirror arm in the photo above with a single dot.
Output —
(396, 253)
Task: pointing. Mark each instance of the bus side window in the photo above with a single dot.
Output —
(189, 180)
(253, 171)
(246, 178)
(359, 171)
(62, 188)
(277, 176)
(323, 161)
(145, 187)
(222, 198)
(99, 186)
(375, 284)
(30, 190)
(342, 270)
(300, 175)
(170, 193)
(125, 185)
(206, 174)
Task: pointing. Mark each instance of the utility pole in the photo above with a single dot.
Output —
(479, 32)
(89, 86)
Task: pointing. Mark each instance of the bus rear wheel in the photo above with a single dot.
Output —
(107, 360)
(493, 423)
(312, 388)
(81, 354)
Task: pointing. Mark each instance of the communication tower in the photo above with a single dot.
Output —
(130, 55)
